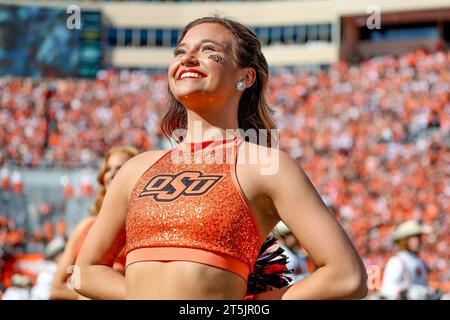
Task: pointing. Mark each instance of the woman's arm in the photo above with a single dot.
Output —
(59, 289)
(95, 277)
(341, 273)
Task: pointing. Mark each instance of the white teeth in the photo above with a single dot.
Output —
(190, 74)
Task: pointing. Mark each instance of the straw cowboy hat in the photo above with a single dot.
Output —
(410, 228)
(20, 281)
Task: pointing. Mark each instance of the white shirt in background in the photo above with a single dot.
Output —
(405, 271)
(16, 293)
(42, 289)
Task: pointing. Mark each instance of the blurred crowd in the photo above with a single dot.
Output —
(71, 123)
(16, 240)
(374, 138)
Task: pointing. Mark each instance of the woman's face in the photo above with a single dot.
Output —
(115, 161)
(202, 68)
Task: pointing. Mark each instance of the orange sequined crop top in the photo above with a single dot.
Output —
(189, 206)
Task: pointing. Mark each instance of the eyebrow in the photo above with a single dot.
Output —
(204, 41)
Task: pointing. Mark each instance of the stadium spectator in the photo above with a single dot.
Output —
(53, 253)
(406, 274)
(297, 259)
(20, 289)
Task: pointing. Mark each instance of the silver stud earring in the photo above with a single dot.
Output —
(240, 86)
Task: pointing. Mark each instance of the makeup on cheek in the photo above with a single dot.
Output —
(217, 58)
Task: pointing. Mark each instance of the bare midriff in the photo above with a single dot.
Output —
(182, 280)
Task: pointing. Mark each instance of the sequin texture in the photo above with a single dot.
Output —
(218, 220)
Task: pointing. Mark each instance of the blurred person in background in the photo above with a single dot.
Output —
(2, 286)
(2, 265)
(406, 274)
(53, 253)
(297, 259)
(112, 162)
(20, 289)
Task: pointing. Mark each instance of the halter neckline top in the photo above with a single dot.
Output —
(183, 209)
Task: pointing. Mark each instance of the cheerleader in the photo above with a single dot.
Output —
(112, 162)
(194, 229)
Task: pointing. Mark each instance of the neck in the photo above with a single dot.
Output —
(210, 126)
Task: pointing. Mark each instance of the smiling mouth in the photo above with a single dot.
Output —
(191, 75)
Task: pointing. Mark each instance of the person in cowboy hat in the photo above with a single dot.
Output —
(406, 274)
(20, 289)
(53, 252)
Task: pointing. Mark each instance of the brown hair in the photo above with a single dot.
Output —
(128, 150)
(254, 111)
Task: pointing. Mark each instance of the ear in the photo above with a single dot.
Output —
(249, 77)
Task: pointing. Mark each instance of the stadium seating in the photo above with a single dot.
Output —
(373, 137)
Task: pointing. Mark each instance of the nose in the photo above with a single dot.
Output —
(189, 59)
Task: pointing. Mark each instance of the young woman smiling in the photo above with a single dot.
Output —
(193, 230)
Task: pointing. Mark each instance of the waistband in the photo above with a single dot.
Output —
(189, 254)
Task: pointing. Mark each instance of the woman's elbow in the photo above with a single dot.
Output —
(356, 284)
(53, 294)
(54, 291)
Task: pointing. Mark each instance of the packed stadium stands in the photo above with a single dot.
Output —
(365, 112)
(373, 137)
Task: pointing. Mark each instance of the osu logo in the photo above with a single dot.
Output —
(168, 187)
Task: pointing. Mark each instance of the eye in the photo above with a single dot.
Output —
(208, 48)
(177, 51)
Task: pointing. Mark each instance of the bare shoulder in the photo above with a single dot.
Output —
(144, 158)
(273, 169)
(80, 227)
(267, 161)
(135, 167)
(83, 224)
